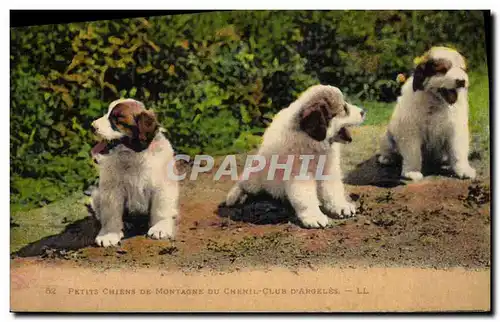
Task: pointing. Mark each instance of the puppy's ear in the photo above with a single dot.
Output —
(314, 120)
(428, 68)
(147, 126)
(419, 77)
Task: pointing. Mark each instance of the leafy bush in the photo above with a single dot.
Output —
(214, 79)
(362, 52)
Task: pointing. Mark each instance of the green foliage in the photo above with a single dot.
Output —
(479, 109)
(214, 79)
(362, 52)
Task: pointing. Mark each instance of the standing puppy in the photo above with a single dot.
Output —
(134, 158)
(431, 117)
(314, 125)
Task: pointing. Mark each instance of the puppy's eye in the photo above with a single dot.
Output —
(112, 121)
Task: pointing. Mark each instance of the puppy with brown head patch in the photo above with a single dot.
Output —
(430, 120)
(315, 125)
(133, 158)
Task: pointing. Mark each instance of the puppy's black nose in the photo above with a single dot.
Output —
(460, 83)
(362, 112)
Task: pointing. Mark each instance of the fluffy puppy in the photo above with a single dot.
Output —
(430, 120)
(314, 125)
(133, 158)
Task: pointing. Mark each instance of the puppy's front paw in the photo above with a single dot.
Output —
(108, 239)
(465, 172)
(343, 209)
(163, 229)
(313, 219)
(413, 175)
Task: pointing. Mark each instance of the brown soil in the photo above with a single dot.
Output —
(435, 223)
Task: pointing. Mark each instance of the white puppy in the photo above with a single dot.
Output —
(430, 120)
(133, 159)
(314, 125)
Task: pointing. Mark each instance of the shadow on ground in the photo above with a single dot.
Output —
(78, 235)
(372, 173)
(260, 209)
(263, 209)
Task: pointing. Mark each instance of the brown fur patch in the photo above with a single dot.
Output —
(428, 69)
(147, 126)
(133, 120)
(315, 117)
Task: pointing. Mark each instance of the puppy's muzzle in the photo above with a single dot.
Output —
(449, 95)
(343, 136)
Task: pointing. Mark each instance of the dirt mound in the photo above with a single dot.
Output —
(434, 223)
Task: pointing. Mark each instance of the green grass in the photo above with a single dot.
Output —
(37, 223)
(377, 113)
(479, 105)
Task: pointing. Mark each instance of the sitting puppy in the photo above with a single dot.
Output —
(133, 159)
(430, 119)
(315, 125)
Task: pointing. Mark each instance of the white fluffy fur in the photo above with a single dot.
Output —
(423, 123)
(284, 137)
(136, 181)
